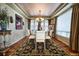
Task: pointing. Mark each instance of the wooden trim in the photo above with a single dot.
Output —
(55, 26)
(40, 16)
(29, 23)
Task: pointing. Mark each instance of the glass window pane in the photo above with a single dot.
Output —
(64, 24)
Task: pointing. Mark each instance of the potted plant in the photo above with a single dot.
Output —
(3, 19)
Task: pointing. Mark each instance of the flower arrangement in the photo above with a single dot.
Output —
(3, 19)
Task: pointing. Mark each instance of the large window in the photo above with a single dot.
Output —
(46, 25)
(34, 25)
(64, 24)
(42, 25)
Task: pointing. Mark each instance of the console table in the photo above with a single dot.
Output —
(4, 33)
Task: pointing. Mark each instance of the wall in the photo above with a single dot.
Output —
(16, 35)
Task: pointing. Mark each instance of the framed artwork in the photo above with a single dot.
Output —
(51, 27)
(19, 22)
(23, 23)
(11, 19)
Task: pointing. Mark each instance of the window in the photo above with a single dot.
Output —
(64, 24)
(44, 25)
(34, 25)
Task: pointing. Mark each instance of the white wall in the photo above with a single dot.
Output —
(16, 35)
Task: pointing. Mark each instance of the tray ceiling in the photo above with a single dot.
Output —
(33, 8)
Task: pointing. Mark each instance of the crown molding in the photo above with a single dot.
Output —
(40, 16)
(60, 7)
(27, 13)
(33, 17)
(17, 9)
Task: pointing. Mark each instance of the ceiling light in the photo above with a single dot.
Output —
(39, 18)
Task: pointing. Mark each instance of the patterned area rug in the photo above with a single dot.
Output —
(28, 49)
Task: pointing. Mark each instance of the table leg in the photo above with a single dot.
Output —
(4, 41)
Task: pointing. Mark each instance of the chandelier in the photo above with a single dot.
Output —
(39, 18)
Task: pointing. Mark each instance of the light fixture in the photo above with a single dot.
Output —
(39, 18)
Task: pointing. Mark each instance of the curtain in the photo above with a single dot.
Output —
(52, 26)
(49, 21)
(74, 37)
(29, 24)
(55, 26)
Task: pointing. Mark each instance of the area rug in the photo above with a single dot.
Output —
(29, 49)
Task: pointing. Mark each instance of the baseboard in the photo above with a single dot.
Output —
(72, 51)
(61, 41)
(12, 49)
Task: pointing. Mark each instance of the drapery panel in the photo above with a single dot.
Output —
(74, 37)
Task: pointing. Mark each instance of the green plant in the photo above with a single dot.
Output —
(3, 17)
(4, 21)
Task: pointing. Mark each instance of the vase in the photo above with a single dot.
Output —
(3, 27)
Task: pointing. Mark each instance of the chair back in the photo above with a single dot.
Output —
(40, 36)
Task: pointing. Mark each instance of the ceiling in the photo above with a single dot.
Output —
(33, 8)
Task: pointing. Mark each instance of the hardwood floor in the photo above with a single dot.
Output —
(12, 49)
(65, 47)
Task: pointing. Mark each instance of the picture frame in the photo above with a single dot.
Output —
(18, 22)
(11, 19)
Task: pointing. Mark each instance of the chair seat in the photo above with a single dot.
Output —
(31, 37)
(48, 37)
